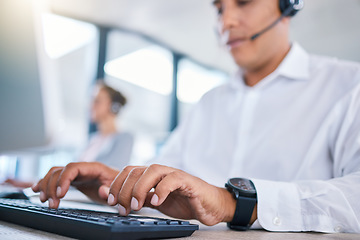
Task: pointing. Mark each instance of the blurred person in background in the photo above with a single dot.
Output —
(108, 145)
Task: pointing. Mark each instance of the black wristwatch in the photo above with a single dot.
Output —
(245, 194)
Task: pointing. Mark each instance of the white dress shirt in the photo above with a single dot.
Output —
(296, 135)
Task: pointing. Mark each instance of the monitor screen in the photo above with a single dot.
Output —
(22, 121)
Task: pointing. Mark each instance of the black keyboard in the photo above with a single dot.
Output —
(88, 224)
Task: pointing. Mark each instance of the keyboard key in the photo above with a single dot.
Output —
(131, 222)
(172, 222)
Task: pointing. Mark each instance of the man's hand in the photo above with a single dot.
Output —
(175, 194)
(93, 179)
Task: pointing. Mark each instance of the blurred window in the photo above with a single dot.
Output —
(194, 81)
(64, 35)
(7, 167)
(143, 72)
(150, 68)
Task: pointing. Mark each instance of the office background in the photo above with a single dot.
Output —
(138, 46)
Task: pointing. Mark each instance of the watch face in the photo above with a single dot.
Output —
(244, 186)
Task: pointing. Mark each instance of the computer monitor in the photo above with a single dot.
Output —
(23, 122)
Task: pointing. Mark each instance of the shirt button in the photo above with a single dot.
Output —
(277, 221)
(338, 229)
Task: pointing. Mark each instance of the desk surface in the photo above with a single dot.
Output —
(10, 231)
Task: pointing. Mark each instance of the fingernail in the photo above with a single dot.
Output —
(134, 204)
(58, 191)
(122, 210)
(111, 199)
(51, 203)
(42, 196)
(154, 200)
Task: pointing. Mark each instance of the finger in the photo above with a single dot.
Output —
(124, 197)
(176, 180)
(117, 184)
(51, 189)
(148, 200)
(42, 184)
(80, 171)
(35, 187)
(104, 192)
(149, 179)
(69, 173)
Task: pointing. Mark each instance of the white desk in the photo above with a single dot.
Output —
(10, 231)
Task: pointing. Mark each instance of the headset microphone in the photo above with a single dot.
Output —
(288, 8)
(284, 14)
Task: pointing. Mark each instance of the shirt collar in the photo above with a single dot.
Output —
(296, 66)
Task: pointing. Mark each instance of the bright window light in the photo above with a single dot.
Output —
(150, 68)
(64, 35)
(194, 81)
(7, 167)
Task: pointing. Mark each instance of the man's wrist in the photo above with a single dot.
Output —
(229, 204)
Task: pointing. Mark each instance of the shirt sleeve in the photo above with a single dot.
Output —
(320, 205)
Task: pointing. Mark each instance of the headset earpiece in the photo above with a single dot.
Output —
(115, 107)
(294, 5)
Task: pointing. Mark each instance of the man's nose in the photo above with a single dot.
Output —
(229, 19)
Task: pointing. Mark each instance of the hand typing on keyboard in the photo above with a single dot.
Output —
(176, 193)
(92, 179)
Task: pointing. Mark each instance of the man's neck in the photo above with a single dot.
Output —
(254, 76)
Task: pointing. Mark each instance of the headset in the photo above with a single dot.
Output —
(288, 8)
(291, 7)
(117, 101)
(115, 107)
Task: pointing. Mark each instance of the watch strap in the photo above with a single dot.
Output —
(243, 212)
